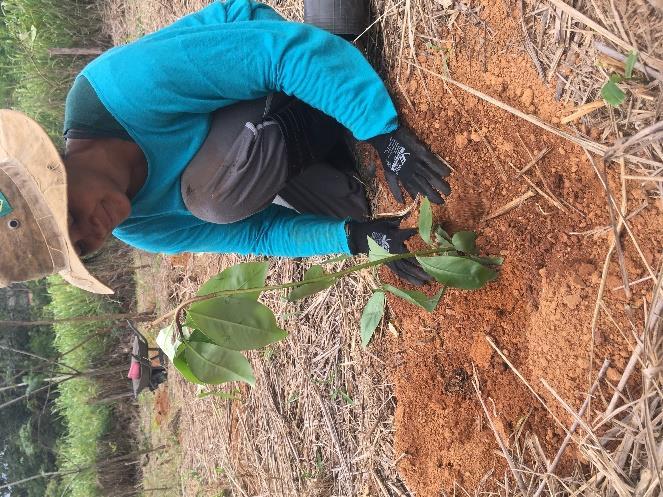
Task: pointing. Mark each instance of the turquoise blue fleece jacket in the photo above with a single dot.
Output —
(163, 88)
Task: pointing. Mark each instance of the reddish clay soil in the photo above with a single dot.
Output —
(539, 311)
(161, 404)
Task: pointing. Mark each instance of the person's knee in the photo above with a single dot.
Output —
(209, 207)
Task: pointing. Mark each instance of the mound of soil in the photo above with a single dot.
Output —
(539, 312)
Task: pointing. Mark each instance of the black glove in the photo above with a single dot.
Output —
(406, 160)
(390, 237)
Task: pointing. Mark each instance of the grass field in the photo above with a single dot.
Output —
(86, 422)
(31, 80)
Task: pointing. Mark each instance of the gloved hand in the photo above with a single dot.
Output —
(389, 236)
(406, 160)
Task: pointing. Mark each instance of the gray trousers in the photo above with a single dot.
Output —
(243, 166)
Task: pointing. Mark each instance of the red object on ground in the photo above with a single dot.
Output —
(134, 371)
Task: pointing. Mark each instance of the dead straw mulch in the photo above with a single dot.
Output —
(319, 421)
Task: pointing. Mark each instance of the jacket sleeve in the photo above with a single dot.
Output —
(322, 69)
(200, 69)
(275, 231)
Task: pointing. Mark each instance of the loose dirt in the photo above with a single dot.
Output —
(539, 312)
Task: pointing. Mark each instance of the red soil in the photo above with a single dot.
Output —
(539, 311)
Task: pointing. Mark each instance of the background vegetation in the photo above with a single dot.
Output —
(31, 79)
(75, 423)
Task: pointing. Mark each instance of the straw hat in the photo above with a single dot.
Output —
(34, 234)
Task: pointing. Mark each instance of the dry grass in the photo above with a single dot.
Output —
(580, 57)
(318, 421)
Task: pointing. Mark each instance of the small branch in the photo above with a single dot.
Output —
(654, 313)
(582, 111)
(616, 227)
(35, 356)
(75, 51)
(653, 61)
(591, 145)
(534, 160)
(141, 317)
(229, 293)
(658, 179)
(25, 396)
(510, 206)
(650, 134)
(614, 54)
(522, 378)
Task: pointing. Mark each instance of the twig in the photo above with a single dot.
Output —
(611, 200)
(333, 434)
(522, 378)
(529, 47)
(614, 54)
(511, 205)
(650, 133)
(616, 231)
(654, 313)
(538, 190)
(380, 483)
(535, 160)
(583, 110)
(658, 179)
(139, 317)
(632, 283)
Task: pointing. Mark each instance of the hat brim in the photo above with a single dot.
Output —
(43, 162)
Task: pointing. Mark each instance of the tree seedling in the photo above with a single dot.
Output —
(226, 319)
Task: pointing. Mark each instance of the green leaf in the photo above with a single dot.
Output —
(371, 317)
(213, 364)
(236, 323)
(180, 363)
(441, 233)
(188, 322)
(300, 292)
(443, 238)
(238, 277)
(166, 342)
(490, 261)
(630, 63)
(417, 298)
(425, 220)
(375, 252)
(465, 241)
(196, 335)
(612, 93)
(458, 272)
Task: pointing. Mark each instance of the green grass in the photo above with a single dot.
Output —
(85, 423)
(30, 79)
